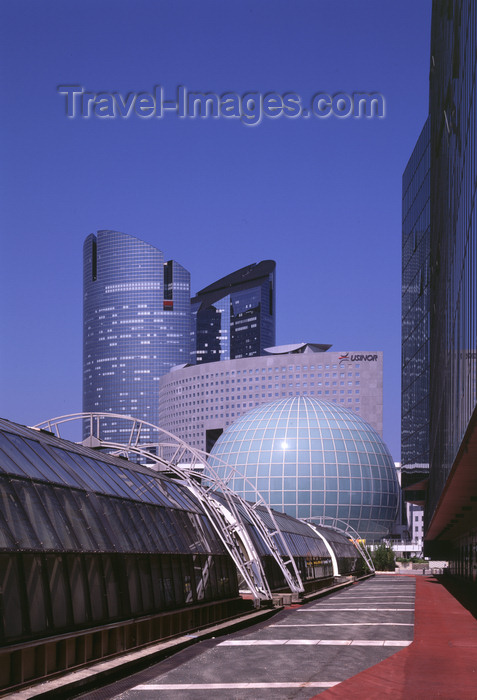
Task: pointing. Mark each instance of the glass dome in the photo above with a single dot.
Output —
(312, 458)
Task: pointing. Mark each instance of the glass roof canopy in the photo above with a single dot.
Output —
(61, 496)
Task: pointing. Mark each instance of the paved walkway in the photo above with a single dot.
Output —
(297, 653)
(363, 642)
(441, 662)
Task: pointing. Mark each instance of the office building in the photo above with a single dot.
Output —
(197, 403)
(311, 458)
(415, 320)
(136, 326)
(235, 316)
(451, 515)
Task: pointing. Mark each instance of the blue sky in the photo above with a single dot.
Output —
(322, 197)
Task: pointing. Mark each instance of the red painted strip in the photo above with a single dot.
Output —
(440, 663)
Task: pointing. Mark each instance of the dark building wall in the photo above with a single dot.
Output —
(415, 305)
(453, 247)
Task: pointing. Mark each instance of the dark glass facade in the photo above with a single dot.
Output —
(136, 326)
(88, 539)
(415, 312)
(452, 496)
(235, 316)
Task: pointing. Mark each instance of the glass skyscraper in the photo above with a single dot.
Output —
(235, 316)
(136, 326)
(415, 315)
(452, 497)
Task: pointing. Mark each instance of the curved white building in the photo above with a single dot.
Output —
(198, 402)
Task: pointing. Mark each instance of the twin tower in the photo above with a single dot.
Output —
(139, 321)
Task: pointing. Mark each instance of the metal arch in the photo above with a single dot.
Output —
(329, 548)
(228, 525)
(353, 534)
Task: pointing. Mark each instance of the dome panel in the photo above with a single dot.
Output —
(309, 458)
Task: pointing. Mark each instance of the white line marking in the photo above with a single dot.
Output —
(373, 597)
(349, 624)
(324, 609)
(251, 642)
(307, 642)
(235, 686)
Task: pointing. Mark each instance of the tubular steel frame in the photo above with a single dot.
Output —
(227, 521)
(353, 535)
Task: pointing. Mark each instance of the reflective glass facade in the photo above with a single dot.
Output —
(88, 539)
(415, 306)
(453, 113)
(136, 326)
(312, 458)
(235, 316)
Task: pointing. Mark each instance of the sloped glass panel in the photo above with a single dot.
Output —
(152, 533)
(17, 520)
(8, 463)
(17, 462)
(92, 511)
(106, 473)
(7, 540)
(57, 515)
(72, 509)
(35, 510)
(78, 474)
(100, 481)
(114, 523)
(39, 468)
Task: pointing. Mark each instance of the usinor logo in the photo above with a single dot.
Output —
(357, 358)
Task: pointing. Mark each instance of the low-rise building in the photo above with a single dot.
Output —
(198, 402)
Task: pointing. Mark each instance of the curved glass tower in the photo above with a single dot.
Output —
(136, 326)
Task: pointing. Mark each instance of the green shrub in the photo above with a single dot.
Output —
(383, 558)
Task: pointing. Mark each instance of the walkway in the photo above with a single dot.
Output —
(441, 662)
(363, 642)
(296, 653)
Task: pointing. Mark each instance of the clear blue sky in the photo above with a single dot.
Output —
(322, 197)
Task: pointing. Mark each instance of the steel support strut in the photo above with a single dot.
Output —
(226, 519)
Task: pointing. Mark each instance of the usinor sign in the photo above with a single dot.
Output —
(357, 358)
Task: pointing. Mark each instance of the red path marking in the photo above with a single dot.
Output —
(440, 663)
